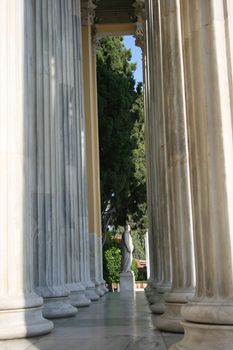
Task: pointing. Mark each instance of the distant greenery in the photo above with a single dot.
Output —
(134, 268)
(112, 255)
(122, 150)
(111, 260)
(112, 265)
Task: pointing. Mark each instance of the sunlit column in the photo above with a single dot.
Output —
(181, 230)
(98, 237)
(76, 219)
(90, 137)
(53, 96)
(159, 223)
(150, 290)
(20, 307)
(208, 56)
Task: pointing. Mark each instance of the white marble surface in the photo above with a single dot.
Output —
(55, 130)
(20, 307)
(116, 322)
(181, 227)
(94, 263)
(127, 281)
(158, 196)
(207, 39)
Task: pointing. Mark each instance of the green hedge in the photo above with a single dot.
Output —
(112, 265)
(112, 254)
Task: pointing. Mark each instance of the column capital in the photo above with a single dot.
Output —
(139, 6)
(139, 35)
(139, 11)
(88, 12)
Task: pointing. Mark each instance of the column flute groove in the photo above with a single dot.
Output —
(49, 245)
(159, 211)
(207, 46)
(181, 228)
(20, 306)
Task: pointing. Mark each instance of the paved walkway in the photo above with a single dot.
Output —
(116, 322)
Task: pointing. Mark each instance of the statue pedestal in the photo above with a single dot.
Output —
(127, 281)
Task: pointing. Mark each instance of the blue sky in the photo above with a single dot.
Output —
(129, 42)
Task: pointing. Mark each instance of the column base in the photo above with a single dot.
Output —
(170, 321)
(154, 298)
(58, 308)
(99, 290)
(77, 296)
(90, 292)
(78, 299)
(152, 291)
(104, 288)
(211, 311)
(164, 288)
(23, 323)
(158, 308)
(158, 294)
(205, 337)
(147, 292)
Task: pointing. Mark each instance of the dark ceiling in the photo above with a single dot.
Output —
(115, 11)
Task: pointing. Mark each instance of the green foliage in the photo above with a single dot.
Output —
(112, 265)
(112, 257)
(116, 96)
(111, 260)
(121, 137)
(142, 275)
(134, 268)
(139, 244)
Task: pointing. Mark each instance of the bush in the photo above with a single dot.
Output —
(142, 274)
(112, 264)
(112, 255)
(134, 268)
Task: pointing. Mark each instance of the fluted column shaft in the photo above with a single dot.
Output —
(74, 183)
(20, 307)
(152, 281)
(182, 250)
(98, 237)
(54, 107)
(92, 292)
(159, 211)
(92, 145)
(208, 66)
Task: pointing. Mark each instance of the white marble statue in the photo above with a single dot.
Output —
(128, 247)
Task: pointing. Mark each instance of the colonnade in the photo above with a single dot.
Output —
(50, 228)
(46, 266)
(188, 99)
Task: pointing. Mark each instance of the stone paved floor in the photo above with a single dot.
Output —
(116, 322)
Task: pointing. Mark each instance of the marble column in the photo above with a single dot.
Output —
(20, 307)
(97, 248)
(92, 146)
(159, 224)
(152, 281)
(141, 40)
(99, 239)
(146, 242)
(181, 230)
(51, 211)
(87, 10)
(74, 184)
(148, 146)
(208, 60)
